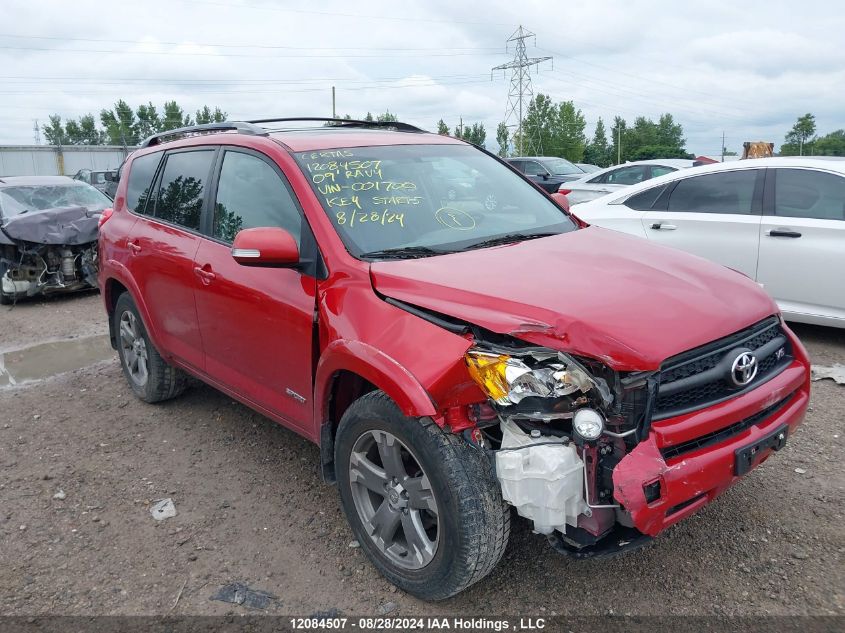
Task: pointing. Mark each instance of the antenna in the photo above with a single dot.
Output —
(521, 92)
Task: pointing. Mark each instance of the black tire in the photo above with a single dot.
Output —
(163, 381)
(5, 299)
(473, 522)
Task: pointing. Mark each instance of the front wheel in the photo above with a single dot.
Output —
(423, 504)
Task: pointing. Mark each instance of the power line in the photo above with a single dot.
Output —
(259, 46)
(521, 91)
(253, 55)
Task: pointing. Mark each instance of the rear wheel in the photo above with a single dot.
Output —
(147, 373)
(423, 504)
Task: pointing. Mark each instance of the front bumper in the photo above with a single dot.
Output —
(689, 479)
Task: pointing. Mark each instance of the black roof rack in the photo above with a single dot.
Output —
(396, 125)
(252, 127)
(241, 127)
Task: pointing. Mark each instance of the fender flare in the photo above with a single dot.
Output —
(372, 364)
(118, 272)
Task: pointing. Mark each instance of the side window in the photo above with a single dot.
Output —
(251, 194)
(661, 170)
(182, 187)
(141, 173)
(726, 192)
(644, 201)
(533, 168)
(804, 193)
(626, 176)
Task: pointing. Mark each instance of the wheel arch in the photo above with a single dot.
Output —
(115, 285)
(346, 371)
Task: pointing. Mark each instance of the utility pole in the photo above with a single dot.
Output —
(521, 92)
(619, 144)
(37, 132)
(461, 127)
(723, 146)
(334, 111)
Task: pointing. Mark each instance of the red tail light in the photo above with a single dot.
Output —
(564, 191)
(105, 215)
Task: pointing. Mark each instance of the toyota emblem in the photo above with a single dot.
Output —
(744, 369)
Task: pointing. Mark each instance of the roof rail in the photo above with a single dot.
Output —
(241, 127)
(396, 125)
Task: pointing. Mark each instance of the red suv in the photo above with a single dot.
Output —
(452, 339)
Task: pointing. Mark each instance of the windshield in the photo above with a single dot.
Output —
(15, 200)
(441, 198)
(561, 167)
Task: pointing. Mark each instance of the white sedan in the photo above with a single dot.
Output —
(780, 221)
(598, 183)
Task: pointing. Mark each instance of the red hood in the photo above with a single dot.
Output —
(594, 292)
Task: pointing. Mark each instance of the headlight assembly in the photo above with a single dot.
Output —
(507, 379)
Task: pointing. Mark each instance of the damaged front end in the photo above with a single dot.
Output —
(561, 424)
(602, 460)
(48, 251)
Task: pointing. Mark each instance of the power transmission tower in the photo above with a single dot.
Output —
(521, 92)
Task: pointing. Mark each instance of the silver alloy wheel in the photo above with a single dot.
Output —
(134, 348)
(394, 499)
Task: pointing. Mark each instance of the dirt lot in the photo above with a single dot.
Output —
(252, 508)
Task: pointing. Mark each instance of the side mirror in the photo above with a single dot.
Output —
(265, 246)
(561, 200)
(545, 176)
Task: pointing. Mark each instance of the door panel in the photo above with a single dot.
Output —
(256, 326)
(712, 216)
(161, 260)
(802, 242)
(162, 246)
(257, 323)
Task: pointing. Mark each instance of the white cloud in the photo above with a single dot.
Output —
(748, 69)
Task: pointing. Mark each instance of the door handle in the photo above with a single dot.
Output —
(205, 275)
(662, 226)
(134, 247)
(783, 233)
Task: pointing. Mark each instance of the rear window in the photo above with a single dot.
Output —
(141, 175)
(182, 188)
(804, 193)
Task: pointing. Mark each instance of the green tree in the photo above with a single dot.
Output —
(54, 132)
(647, 139)
(832, 144)
(120, 124)
(569, 139)
(149, 121)
(796, 139)
(206, 115)
(174, 117)
(553, 129)
(387, 117)
(597, 151)
(442, 128)
(369, 117)
(503, 139)
(475, 134)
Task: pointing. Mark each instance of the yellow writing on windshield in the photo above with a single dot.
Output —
(383, 218)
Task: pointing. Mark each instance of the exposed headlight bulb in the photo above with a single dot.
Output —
(588, 424)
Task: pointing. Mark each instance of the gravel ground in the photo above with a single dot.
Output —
(251, 507)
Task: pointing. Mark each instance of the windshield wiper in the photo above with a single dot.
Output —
(510, 238)
(403, 252)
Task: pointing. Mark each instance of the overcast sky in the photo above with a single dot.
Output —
(746, 68)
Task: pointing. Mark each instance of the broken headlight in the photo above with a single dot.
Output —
(507, 379)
